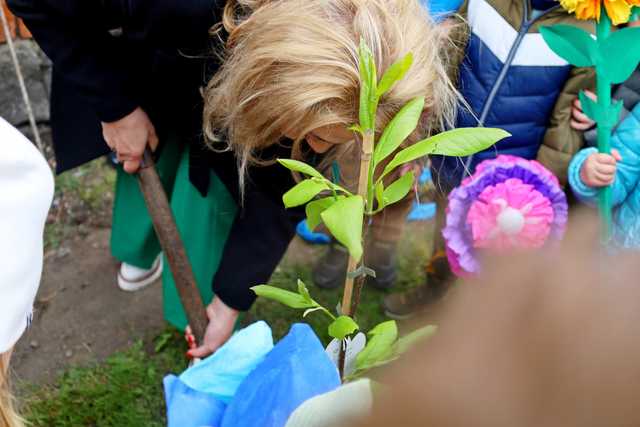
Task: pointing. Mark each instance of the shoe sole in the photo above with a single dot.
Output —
(129, 286)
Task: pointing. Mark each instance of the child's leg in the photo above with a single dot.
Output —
(405, 304)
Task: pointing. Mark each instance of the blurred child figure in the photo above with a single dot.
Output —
(510, 79)
(590, 171)
(26, 192)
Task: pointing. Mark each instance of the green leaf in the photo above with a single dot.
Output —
(394, 74)
(379, 349)
(298, 166)
(368, 89)
(342, 327)
(344, 221)
(302, 290)
(404, 343)
(456, 142)
(571, 43)
(398, 129)
(311, 310)
(316, 207)
(302, 192)
(379, 190)
(288, 298)
(620, 54)
(399, 189)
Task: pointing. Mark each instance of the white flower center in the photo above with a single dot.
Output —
(510, 221)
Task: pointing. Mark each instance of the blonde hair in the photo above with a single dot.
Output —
(291, 66)
(8, 415)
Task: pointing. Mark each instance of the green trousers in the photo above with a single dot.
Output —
(204, 224)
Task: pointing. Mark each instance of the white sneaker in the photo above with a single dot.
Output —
(132, 279)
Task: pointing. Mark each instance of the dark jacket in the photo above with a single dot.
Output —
(112, 56)
(512, 80)
(159, 61)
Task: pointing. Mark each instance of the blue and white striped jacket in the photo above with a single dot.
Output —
(509, 77)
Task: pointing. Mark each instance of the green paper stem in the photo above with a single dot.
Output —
(603, 89)
(635, 14)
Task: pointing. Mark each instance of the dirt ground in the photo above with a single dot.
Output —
(81, 315)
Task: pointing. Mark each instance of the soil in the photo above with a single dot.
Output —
(81, 315)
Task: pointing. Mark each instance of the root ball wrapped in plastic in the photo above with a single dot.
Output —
(508, 203)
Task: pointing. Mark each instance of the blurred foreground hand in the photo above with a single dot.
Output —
(546, 339)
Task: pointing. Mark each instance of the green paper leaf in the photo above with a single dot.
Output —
(394, 74)
(406, 342)
(302, 290)
(572, 44)
(344, 221)
(298, 166)
(379, 349)
(288, 298)
(342, 327)
(456, 142)
(399, 189)
(615, 112)
(589, 106)
(368, 89)
(316, 207)
(303, 192)
(606, 116)
(620, 53)
(398, 129)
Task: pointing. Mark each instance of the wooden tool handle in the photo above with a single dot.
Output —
(171, 243)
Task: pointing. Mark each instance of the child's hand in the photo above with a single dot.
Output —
(579, 120)
(599, 170)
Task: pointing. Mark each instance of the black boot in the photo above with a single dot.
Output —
(331, 270)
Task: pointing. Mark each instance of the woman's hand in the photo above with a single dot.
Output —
(579, 120)
(222, 319)
(129, 136)
(599, 170)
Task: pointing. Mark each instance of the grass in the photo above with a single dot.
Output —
(82, 199)
(126, 389)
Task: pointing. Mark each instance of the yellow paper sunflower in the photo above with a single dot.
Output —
(618, 10)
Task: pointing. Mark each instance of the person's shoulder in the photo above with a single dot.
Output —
(20, 161)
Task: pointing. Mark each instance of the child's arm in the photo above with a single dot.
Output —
(589, 170)
(561, 142)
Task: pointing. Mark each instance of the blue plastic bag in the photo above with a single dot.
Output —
(222, 373)
(295, 370)
(187, 407)
(200, 395)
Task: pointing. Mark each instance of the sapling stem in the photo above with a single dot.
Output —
(365, 189)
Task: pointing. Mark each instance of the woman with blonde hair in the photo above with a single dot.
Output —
(289, 87)
(27, 191)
